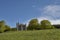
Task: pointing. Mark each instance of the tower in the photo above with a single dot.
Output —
(17, 26)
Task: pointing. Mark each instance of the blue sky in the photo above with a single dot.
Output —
(13, 11)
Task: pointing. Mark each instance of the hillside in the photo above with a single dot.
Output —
(52, 34)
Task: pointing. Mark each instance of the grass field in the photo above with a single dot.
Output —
(52, 34)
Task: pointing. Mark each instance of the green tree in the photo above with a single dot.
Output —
(2, 26)
(7, 28)
(33, 24)
(45, 24)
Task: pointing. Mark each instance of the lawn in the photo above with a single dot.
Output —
(50, 34)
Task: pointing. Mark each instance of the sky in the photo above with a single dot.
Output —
(22, 11)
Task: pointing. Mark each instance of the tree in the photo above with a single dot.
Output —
(33, 24)
(2, 26)
(45, 24)
(7, 28)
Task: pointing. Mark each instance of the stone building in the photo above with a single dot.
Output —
(21, 27)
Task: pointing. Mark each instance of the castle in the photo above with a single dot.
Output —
(21, 27)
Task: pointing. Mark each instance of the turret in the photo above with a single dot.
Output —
(17, 26)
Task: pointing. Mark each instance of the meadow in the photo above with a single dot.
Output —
(48, 34)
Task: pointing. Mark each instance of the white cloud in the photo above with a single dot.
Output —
(42, 18)
(55, 22)
(52, 10)
(52, 21)
(51, 13)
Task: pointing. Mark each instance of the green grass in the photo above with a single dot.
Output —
(51, 34)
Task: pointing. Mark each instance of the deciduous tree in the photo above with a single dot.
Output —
(45, 24)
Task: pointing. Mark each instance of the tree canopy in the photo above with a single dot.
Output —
(33, 24)
(45, 24)
(3, 26)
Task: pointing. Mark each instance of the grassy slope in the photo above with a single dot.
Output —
(53, 34)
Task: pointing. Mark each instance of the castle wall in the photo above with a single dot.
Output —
(21, 27)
